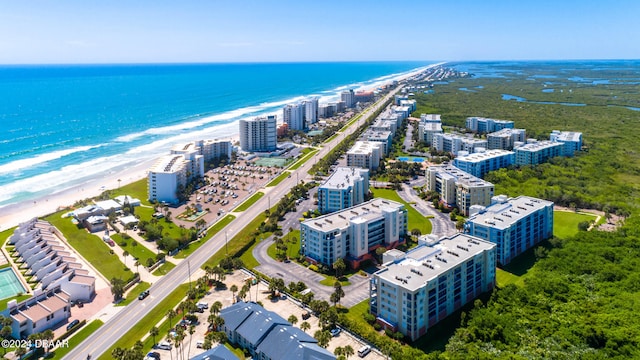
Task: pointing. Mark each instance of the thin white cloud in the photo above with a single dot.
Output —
(285, 42)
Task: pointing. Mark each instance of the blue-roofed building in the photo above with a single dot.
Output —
(288, 342)
(267, 335)
(219, 352)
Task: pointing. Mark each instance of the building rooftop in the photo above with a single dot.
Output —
(426, 263)
(538, 145)
(343, 177)
(219, 352)
(506, 212)
(363, 147)
(377, 134)
(567, 135)
(460, 176)
(507, 132)
(109, 205)
(168, 164)
(479, 157)
(431, 126)
(463, 138)
(490, 119)
(288, 342)
(359, 213)
(430, 117)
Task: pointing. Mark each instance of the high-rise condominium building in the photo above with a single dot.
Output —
(346, 187)
(258, 134)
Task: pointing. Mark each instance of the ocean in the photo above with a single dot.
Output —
(66, 125)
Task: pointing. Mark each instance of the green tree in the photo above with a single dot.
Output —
(154, 332)
(348, 351)
(323, 337)
(171, 314)
(234, 290)
(304, 326)
(117, 288)
(292, 319)
(339, 266)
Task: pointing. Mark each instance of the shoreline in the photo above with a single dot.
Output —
(13, 214)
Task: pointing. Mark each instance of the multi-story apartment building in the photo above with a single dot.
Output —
(346, 187)
(349, 98)
(506, 139)
(215, 149)
(310, 110)
(429, 125)
(480, 164)
(486, 125)
(293, 116)
(165, 176)
(514, 225)
(452, 143)
(385, 125)
(43, 311)
(572, 141)
(458, 188)
(414, 291)
(354, 233)
(258, 134)
(194, 161)
(365, 154)
(537, 152)
(383, 137)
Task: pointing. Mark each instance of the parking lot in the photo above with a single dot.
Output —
(284, 308)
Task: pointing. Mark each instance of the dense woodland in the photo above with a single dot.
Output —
(580, 298)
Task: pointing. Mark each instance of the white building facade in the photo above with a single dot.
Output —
(416, 290)
(459, 188)
(506, 139)
(486, 125)
(354, 233)
(345, 188)
(259, 134)
(572, 141)
(453, 143)
(365, 154)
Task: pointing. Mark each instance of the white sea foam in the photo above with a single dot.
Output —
(22, 164)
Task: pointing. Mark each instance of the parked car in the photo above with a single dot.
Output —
(164, 345)
(335, 332)
(363, 351)
(199, 344)
(306, 315)
(73, 324)
(153, 355)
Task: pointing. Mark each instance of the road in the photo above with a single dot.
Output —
(441, 224)
(109, 333)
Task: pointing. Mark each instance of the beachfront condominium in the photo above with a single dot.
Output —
(383, 137)
(365, 154)
(414, 291)
(479, 164)
(45, 310)
(452, 143)
(349, 98)
(258, 134)
(486, 125)
(385, 125)
(429, 125)
(514, 225)
(572, 141)
(354, 233)
(345, 188)
(458, 188)
(310, 111)
(537, 152)
(506, 139)
(293, 116)
(165, 176)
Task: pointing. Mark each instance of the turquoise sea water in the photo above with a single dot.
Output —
(66, 125)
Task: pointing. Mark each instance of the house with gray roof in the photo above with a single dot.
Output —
(219, 352)
(288, 342)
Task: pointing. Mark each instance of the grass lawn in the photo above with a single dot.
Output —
(292, 248)
(164, 268)
(250, 201)
(237, 242)
(332, 137)
(4, 235)
(19, 298)
(565, 223)
(136, 190)
(193, 246)
(357, 312)
(168, 227)
(138, 331)
(504, 278)
(279, 179)
(247, 257)
(416, 220)
(133, 293)
(303, 160)
(330, 280)
(237, 351)
(137, 251)
(91, 247)
(76, 339)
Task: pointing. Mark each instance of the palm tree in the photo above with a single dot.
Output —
(192, 330)
(323, 337)
(304, 326)
(216, 307)
(234, 289)
(117, 288)
(154, 332)
(171, 314)
(257, 283)
(125, 254)
(292, 319)
(137, 265)
(347, 351)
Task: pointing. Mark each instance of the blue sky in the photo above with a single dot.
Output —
(115, 31)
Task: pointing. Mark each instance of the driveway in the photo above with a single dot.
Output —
(441, 224)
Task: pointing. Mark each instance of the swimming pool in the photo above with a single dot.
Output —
(10, 286)
(414, 159)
